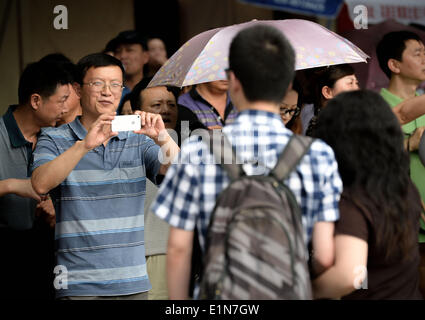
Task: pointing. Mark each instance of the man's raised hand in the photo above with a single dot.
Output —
(152, 125)
(100, 131)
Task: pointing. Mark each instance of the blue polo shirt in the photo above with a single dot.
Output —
(100, 211)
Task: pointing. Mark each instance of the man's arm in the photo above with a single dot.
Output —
(179, 254)
(169, 151)
(51, 174)
(323, 245)
(327, 210)
(20, 187)
(154, 128)
(411, 144)
(46, 211)
(410, 109)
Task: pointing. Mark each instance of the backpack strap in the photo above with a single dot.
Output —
(296, 148)
(225, 156)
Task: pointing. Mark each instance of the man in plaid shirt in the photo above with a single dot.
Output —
(261, 67)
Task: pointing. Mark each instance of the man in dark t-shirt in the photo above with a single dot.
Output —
(25, 266)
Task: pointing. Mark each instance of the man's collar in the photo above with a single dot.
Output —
(16, 137)
(194, 94)
(78, 128)
(259, 117)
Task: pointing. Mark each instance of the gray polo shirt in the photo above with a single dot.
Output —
(15, 155)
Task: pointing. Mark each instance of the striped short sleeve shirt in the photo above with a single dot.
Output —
(191, 186)
(100, 211)
(205, 112)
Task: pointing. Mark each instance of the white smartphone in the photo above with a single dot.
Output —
(126, 123)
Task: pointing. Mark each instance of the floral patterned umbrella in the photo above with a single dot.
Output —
(204, 57)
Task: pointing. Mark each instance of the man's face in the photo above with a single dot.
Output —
(219, 85)
(161, 101)
(101, 90)
(157, 51)
(412, 64)
(133, 57)
(73, 108)
(51, 109)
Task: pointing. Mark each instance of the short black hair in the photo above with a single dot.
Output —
(110, 46)
(41, 78)
(136, 100)
(128, 37)
(328, 76)
(96, 60)
(64, 62)
(391, 46)
(263, 60)
(56, 57)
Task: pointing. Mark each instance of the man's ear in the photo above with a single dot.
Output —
(394, 65)
(145, 56)
(77, 88)
(234, 82)
(35, 101)
(327, 92)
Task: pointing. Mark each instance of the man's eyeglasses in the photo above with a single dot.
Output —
(294, 112)
(99, 85)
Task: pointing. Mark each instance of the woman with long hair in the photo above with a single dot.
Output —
(376, 245)
(330, 81)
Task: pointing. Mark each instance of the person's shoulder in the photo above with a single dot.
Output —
(52, 131)
(385, 93)
(184, 97)
(196, 147)
(391, 98)
(62, 135)
(196, 141)
(319, 148)
(355, 209)
(184, 111)
(2, 125)
(4, 134)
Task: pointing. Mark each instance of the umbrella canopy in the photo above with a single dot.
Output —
(204, 57)
(370, 75)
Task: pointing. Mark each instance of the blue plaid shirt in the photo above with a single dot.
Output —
(192, 185)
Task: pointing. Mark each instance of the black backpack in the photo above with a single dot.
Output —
(255, 245)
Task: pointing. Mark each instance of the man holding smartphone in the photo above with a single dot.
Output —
(97, 179)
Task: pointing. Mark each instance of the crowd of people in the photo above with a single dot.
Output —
(126, 215)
